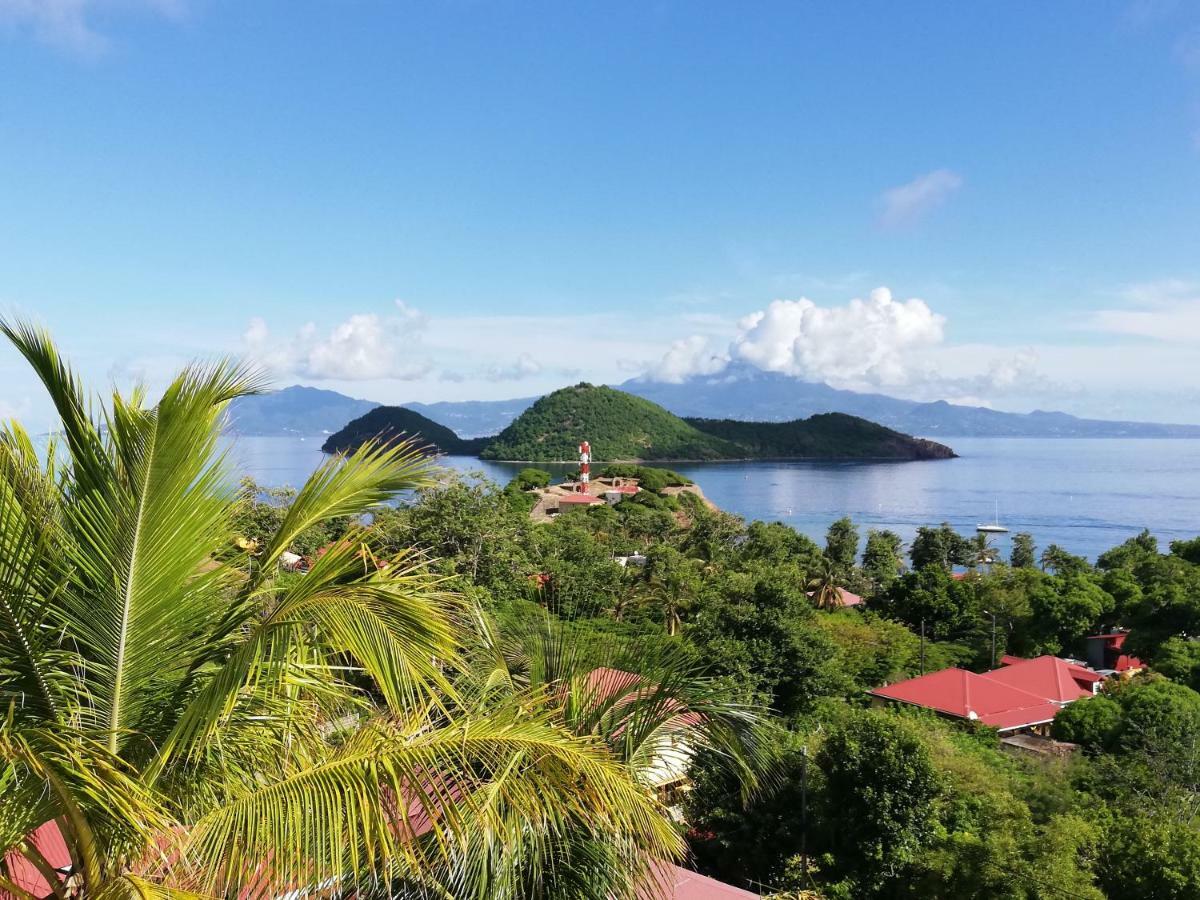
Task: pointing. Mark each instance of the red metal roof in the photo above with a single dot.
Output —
(49, 840)
(957, 692)
(677, 883)
(1047, 677)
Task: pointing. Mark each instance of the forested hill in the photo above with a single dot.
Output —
(619, 426)
(825, 436)
(394, 422)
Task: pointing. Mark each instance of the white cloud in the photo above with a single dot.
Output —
(366, 346)
(524, 366)
(685, 357)
(907, 203)
(68, 23)
(1167, 310)
(877, 344)
(865, 344)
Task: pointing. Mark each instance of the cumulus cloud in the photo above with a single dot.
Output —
(865, 343)
(68, 23)
(873, 344)
(907, 203)
(1167, 310)
(365, 346)
(686, 357)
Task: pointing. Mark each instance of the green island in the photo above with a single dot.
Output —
(621, 426)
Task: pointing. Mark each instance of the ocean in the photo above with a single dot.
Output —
(1085, 494)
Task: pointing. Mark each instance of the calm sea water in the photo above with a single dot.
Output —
(1085, 494)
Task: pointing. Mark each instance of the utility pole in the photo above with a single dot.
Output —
(804, 811)
(922, 646)
(993, 615)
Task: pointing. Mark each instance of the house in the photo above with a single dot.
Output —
(668, 881)
(960, 694)
(1023, 695)
(574, 501)
(677, 883)
(1057, 680)
(1106, 653)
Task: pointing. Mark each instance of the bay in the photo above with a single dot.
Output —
(1085, 494)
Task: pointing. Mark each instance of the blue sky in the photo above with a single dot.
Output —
(455, 200)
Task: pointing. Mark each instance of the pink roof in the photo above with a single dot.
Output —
(960, 693)
(49, 840)
(677, 883)
(1047, 677)
(847, 598)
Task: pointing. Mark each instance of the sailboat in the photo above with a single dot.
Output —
(995, 527)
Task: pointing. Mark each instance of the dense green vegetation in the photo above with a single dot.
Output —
(823, 436)
(390, 424)
(900, 804)
(621, 426)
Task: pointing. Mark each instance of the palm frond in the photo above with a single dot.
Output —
(350, 485)
(417, 798)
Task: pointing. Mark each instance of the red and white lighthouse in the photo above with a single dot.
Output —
(585, 466)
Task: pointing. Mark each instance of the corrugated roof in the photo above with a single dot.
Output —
(677, 883)
(966, 695)
(49, 840)
(1048, 677)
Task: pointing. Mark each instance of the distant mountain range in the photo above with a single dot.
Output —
(295, 410)
(743, 394)
(750, 394)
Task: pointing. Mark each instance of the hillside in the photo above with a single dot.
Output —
(392, 422)
(295, 410)
(618, 425)
(824, 436)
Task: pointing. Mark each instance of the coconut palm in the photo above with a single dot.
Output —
(195, 724)
(649, 701)
(823, 586)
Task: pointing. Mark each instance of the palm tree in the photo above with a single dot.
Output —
(982, 550)
(650, 702)
(672, 582)
(196, 726)
(823, 587)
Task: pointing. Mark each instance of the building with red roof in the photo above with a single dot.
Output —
(669, 881)
(677, 883)
(1021, 695)
(1107, 652)
(1047, 676)
(24, 875)
(964, 695)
